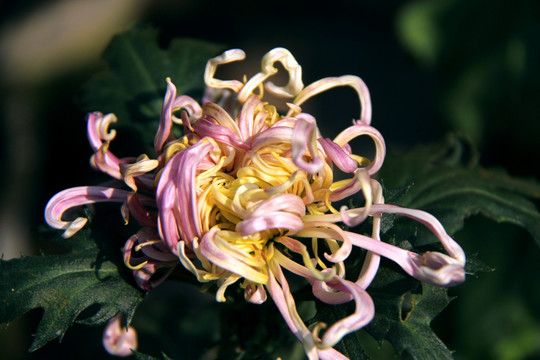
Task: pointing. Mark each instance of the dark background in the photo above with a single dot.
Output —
(432, 67)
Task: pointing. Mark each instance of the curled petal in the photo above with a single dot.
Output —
(140, 167)
(326, 230)
(177, 185)
(298, 176)
(99, 137)
(225, 58)
(188, 104)
(221, 134)
(328, 83)
(279, 291)
(245, 198)
(304, 137)
(134, 263)
(221, 117)
(217, 250)
(273, 135)
(363, 314)
(284, 202)
(171, 103)
(271, 220)
(246, 118)
(224, 98)
(433, 268)
(202, 275)
(338, 156)
(229, 280)
(282, 297)
(255, 294)
(98, 129)
(165, 124)
(358, 129)
(360, 181)
(282, 211)
(77, 196)
(139, 211)
(328, 295)
(104, 161)
(438, 269)
(431, 222)
(372, 260)
(118, 340)
(147, 277)
(294, 85)
(308, 271)
(157, 251)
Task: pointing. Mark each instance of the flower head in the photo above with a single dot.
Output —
(247, 192)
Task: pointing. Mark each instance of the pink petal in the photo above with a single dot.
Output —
(271, 220)
(206, 127)
(98, 131)
(165, 124)
(282, 202)
(358, 129)
(177, 186)
(271, 136)
(118, 340)
(284, 301)
(247, 116)
(338, 156)
(221, 117)
(433, 268)
(171, 103)
(77, 196)
(360, 181)
(304, 138)
(328, 83)
(255, 294)
(363, 314)
(431, 222)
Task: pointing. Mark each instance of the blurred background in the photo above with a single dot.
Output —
(432, 67)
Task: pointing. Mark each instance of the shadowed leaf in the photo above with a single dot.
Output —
(64, 286)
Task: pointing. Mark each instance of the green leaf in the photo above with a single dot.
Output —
(405, 321)
(448, 183)
(82, 281)
(134, 84)
(444, 179)
(141, 356)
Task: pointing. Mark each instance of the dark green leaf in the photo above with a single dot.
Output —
(444, 179)
(405, 321)
(449, 184)
(140, 356)
(65, 286)
(134, 85)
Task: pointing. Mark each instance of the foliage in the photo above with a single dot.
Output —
(88, 284)
(82, 285)
(134, 84)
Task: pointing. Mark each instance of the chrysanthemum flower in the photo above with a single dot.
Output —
(248, 192)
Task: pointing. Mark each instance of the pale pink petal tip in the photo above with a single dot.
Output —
(117, 340)
(438, 269)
